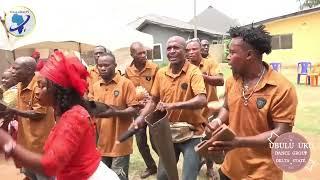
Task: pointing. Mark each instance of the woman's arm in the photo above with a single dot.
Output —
(27, 158)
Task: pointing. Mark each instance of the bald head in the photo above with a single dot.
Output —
(180, 40)
(139, 54)
(134, 46)
(7, 79)
(27, 62)
(6, 73)
(176, 51)
(23, 69)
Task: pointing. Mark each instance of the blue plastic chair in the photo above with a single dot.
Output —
(276, 66)
(303, 69)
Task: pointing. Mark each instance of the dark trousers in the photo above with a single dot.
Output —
(120, 165)
(142, 143)
(191, 160)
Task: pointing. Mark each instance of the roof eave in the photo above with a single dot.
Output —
(145, 21)
(287, 16)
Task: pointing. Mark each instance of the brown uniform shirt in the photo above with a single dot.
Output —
(142, 78)
(94, 77)
(120, 92)
(274, 100)
(172, 88)
(32, 134)
(211, 68)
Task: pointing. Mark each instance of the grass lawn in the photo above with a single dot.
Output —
(306, 123)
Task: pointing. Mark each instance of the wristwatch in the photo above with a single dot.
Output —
(8, 148)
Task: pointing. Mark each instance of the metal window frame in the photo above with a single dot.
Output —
(157, 60)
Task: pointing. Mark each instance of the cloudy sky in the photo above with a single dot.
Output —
(124, 11)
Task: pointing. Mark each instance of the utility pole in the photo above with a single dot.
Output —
(195, 18)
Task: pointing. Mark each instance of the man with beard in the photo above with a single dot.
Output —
(259, 102)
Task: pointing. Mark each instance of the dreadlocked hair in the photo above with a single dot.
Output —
(257, 37)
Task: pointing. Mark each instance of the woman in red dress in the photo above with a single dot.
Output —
(70, 151)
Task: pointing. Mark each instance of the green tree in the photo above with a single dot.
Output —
(305, 4)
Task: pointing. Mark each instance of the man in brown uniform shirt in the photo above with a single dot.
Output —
(93, 70)
(212, 78)
(209, 69)
(205, 46)
(179, 88)
(258, 102)
(118, 92)
(35, 122)
(142, 73)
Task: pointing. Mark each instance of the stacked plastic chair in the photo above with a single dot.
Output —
(276, 66)
(303, 69)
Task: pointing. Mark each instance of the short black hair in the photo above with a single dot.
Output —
(104, 49)
(109, 54)
(257, 37)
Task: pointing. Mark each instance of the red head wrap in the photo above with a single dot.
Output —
(67, 72)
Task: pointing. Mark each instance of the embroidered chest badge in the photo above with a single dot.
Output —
(148, 78)
(261, 102)
(184, 86)
(116, 93)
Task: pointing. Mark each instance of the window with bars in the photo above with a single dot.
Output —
(283, 41)
(156, 53)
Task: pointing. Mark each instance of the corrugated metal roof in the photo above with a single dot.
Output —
(170, 23)
(215, 20)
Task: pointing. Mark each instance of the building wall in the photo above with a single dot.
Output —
(162, 34)
(305, 39)
(6, 60)
(217, 51)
